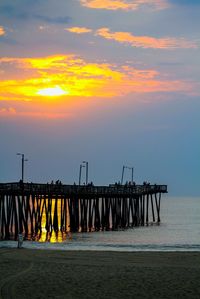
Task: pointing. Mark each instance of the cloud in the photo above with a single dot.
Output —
(43, 28)
(146, 41)
(18, 13)
(64, 77)
(78, 30)
(54, 20)
(2, 31)
(139, 41)
(125, 4)
(14, 113)
(7, 111)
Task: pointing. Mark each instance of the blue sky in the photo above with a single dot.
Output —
(111, 82)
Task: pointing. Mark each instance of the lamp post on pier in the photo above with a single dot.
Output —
(132, 171)
(122, 174)
(23, 160)
(80, 173)
(86, 175)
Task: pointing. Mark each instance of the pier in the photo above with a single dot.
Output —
(28, 208)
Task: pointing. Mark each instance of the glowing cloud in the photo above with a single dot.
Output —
(10, 111)
(145, 41)
(2, 31)
(125, 4)
(79, 30)
(67, 76)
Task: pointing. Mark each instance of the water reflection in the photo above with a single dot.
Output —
(48, 233)
(52, 237)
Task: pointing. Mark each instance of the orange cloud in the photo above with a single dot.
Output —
(146, 41)
(13, 112)
(7, 111)
(125, 4)
(2, 31)
(79, 30)
(64, 77)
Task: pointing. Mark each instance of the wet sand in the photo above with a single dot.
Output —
(38, 274)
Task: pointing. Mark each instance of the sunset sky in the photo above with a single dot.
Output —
(112, 82)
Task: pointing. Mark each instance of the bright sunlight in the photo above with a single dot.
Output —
(52, 91)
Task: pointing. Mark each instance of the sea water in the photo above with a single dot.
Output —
(179, 230)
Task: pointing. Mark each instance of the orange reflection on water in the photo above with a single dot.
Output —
(54, 236)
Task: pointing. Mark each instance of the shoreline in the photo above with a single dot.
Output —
(62, 246)
(33, 273)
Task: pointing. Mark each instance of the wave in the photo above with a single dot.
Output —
(103, 247)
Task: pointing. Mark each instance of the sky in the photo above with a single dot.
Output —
(111, 82)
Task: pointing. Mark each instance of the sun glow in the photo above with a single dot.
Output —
(66, 77)
(52, 92)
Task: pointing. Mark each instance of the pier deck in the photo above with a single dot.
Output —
(86, 191)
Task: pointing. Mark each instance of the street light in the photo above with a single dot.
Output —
(86, 164)
(122, 175)
(80, 173)
(132, 170)
(23, 160)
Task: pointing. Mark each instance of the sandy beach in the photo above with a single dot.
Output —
(64, 274)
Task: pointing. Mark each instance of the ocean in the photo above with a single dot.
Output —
(179, 230)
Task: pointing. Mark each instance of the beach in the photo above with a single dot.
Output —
(26, 273)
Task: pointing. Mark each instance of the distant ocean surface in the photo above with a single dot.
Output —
(179, 230)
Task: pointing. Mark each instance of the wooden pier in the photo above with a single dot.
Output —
(28, 208)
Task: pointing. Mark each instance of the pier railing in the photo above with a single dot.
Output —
(89, 190)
